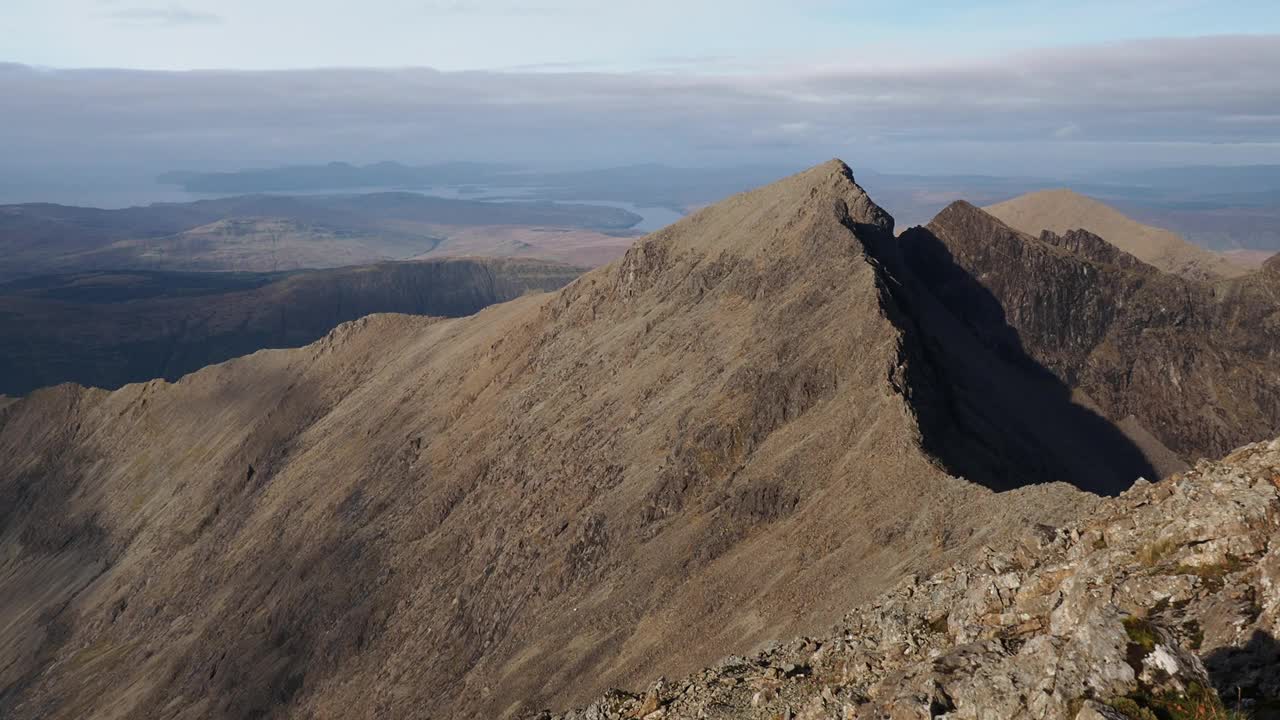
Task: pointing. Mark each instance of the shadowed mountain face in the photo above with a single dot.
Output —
(988, 411)
(738, 431)
(111, 328)
(1193, 363)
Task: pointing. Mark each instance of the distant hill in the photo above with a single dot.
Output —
(267, 233)
(1059, 211)
(106, 329)
(337, 176)
(1220, 208)
(648, 185)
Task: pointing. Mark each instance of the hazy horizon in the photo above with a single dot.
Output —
(104, 92)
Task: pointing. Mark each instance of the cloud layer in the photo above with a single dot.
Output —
(168, 15)
(1213, 99)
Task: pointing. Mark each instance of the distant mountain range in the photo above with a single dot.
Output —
(338, 176)
(269, 233)
(1218, 207)
(648, 185)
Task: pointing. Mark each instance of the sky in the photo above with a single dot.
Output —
(114, 88)
(622, 35)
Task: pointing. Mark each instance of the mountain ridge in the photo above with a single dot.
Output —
(754, 420)
(1062, 210)
(679, 446)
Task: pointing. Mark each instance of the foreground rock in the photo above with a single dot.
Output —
(1162, 601)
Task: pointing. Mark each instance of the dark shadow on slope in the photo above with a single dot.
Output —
(1248, 677)
(987, 410)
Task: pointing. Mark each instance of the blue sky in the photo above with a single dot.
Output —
(709, 35)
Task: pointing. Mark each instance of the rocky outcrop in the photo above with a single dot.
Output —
(1061, 211)
(1164, 602)
(1272, 265)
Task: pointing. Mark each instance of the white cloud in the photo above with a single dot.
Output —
(1195, 96)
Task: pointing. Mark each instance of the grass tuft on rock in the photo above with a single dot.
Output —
(1141, 633)
(1197, 703)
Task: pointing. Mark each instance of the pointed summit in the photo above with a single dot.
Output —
(795, 228)
(817, 205)
(963, 215)
(833, 180)
(862, 209)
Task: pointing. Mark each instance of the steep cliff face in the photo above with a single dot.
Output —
(1163, 602)
(1194, 363)
(72, 328)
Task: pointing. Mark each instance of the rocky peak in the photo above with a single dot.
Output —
(791, 231)
(824, 191)
(962, 214)
(859, 208)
